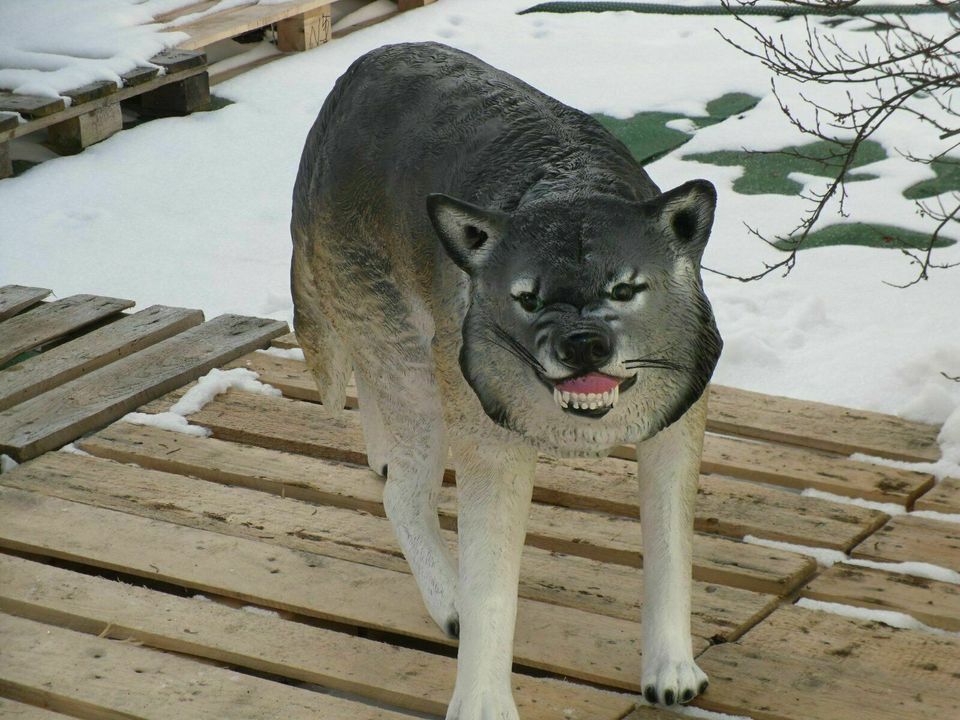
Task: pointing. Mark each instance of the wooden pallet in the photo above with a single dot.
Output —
(176, 83)
(308, 607)
(76, 364)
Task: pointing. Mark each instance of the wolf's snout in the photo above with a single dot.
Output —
(585, 349)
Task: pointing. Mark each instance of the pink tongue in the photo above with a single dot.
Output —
(589, 383)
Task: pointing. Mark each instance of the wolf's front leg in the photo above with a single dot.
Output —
(494, 485)
(668, 465)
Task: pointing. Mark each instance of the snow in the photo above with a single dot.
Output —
(286, 353)
(206, 389)
(934, 515)
(695, 712)
(74, 450)
(217, 236)
(887, 617)
(828, 558)
(888, 508)
(7, 463)
(51, 46)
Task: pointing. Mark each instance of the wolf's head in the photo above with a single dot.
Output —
(587, 323)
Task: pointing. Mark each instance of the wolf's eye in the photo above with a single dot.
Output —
(528, 301)
(622, 292)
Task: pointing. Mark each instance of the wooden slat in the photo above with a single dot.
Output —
(94, 677)
(820, 426)
(944, 497)
(907, 537)
(751, 460)
(720, 613)
(63, 414)
(405, 678)
(30, 106)
(725, 506)
(138, 76)
(230, 23)
(286, 342)
(556, 639)
(178, 59)
(931, 602)
(810, 424)
(14, 298)
(8, 121)
(805, 468)
(240, 417)
(809, 665)
(92, 91)
(13, 710)
(43, 324)
(93, 350)
(192, 67)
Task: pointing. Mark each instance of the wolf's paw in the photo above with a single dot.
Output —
(669, 681)
(482, 704)
(440, 599)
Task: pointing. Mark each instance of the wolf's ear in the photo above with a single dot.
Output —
(686, 215)
(468, 232)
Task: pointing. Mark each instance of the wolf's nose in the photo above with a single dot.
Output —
(585, 349)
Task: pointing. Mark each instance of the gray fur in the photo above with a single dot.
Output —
(458, 236)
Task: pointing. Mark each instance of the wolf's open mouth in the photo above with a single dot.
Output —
(590, 395)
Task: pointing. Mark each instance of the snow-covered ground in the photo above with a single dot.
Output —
(194, 211)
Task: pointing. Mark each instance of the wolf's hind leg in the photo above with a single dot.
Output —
(415, 460)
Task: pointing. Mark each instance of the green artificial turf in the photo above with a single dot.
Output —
(766, 172)
(647, 136)
(865, 235)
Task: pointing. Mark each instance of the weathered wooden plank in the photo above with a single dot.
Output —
(92, 91)
(719, 613)
(908, 537)
(92, 677)
(8, 121)
(93, 350)
(931, 602)
(174, 60)
(556, 639)
(230, 23)
(240, 417)
(820, 426)
(30, 106)
(304, 31)
(6, 162)
(405, 678)
(808, 665)
(944, 497)
(810, 424)
(43, 324)
(286, 342)
(806, 468)
(13, 710)
(771, 463)
(14, 298)
(139, 75)
(74, 134)
(125, 93)
(64, 413)
(727, 507)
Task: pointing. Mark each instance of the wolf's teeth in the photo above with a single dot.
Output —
(565, 396)
(616, 395)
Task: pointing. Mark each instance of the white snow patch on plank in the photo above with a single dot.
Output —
(7, 463)
(207, 388)
(288, 353)
(888, 508)
(887, 617)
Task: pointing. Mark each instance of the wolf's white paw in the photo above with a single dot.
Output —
(482, 703)
(669, 680)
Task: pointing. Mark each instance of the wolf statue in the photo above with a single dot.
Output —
(503, 278)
